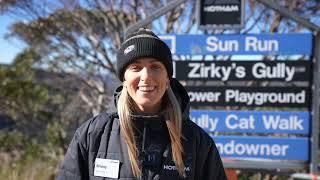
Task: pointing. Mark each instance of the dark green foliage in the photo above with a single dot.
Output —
(19, 93)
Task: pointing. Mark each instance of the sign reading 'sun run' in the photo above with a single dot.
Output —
(286, 71)
(250, 44)
(249, 96)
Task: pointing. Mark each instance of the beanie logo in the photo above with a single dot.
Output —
(128, 49)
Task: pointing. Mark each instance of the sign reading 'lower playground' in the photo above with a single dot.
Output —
(243, 70)
(251, 96)
(263, 147)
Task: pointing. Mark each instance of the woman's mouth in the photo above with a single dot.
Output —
(146, 88)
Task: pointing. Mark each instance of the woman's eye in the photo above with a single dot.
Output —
(155, 67)
(134, 67)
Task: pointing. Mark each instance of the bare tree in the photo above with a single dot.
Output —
(82, 37)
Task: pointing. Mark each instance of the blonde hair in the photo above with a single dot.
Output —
(173, 118)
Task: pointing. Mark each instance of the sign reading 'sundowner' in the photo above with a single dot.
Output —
(243, 70)
(263, 147)
(251, 44)
(231, 121)
(249, 96)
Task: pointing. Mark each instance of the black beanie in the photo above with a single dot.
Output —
(140, 44)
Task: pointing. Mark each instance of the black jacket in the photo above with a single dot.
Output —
(100, 137)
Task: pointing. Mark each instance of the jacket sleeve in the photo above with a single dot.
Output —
(213, 167)
(75, 161)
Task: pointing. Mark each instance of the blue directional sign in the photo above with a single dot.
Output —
(263, 147)
(249, 44)
(252, 121)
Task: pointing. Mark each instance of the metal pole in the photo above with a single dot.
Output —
(290, 14)
(168, 7)
(315, 106)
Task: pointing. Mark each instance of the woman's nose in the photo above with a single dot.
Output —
(145, 74)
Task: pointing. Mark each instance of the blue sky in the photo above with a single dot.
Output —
(8, 47)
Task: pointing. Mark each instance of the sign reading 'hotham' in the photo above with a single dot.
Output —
(220, 13)
(249, 96)
(243, 70)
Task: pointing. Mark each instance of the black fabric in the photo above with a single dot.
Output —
(152, 139)
(100, 137)
(143, 43)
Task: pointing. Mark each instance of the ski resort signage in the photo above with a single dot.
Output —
(263, 147)
(252, 121)
(249, 44)
(286, 71)
(249, 96)
(280, 85)
(220, 14)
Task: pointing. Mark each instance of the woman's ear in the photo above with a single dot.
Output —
(124, 84)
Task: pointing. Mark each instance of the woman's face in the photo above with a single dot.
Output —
(146, 81)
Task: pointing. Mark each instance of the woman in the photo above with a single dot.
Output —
(150, 136)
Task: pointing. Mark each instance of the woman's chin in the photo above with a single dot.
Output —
(148, 106)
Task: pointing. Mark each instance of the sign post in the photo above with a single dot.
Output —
(315, 107)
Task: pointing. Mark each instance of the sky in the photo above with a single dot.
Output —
(9, 48)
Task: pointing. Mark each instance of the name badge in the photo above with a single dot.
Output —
(106, 168)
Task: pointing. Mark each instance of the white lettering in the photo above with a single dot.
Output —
(205, 122)
(276, 122)
(234, 122)
(221, 8)
(204, 96)
(233, 148)
(259, 98)
(254, 44)
(214, 44)
(261, 70)
(222, 72)
(240, 72)
(174, 168)
(195, 68)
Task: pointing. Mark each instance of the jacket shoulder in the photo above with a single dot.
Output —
(94, 126)
(208, 163)
(198, 133)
